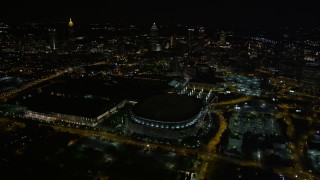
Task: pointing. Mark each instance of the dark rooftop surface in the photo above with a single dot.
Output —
(72, 106)
(168, 108)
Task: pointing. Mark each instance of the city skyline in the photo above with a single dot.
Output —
(247, 13)
(160, 90)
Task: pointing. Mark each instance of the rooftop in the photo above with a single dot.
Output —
(168, 107)
(90, 108)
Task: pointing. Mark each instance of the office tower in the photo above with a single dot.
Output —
(222, 40)
(201, 33)
(190, 40)
(71, 30)
(153, 36)
(172, 41)
(52, 38)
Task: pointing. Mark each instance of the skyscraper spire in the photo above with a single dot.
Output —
(70, 23)
(153, 36)
(154, 27)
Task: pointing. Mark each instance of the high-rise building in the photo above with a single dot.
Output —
(252, 51)
(222, 39)
(153, 37)
(52, 38)
(310, 79)
(71, 40)
(3, 32)
(201, 33)
(71, 30)
(172, 41)
(190, 40)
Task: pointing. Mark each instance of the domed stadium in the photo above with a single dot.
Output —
(167, 115)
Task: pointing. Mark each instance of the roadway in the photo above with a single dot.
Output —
(233, 101)
(6, 95)
(207, 157)
(208, 154)
(212, 145)
(297, 142)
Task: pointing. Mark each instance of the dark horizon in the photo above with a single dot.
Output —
(248, 13)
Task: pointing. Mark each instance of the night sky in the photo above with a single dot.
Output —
(223, 12)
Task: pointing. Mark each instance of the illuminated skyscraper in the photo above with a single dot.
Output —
(52, 38)
(190, 40)
(71, 30)
(172, 40)
(153, 36)
(222, 40)
(201, 33)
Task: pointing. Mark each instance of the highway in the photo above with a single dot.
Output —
(207, 157)
(209, 153)
(297, 142)
(4, 96)
(211, 147)
(234, 101)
